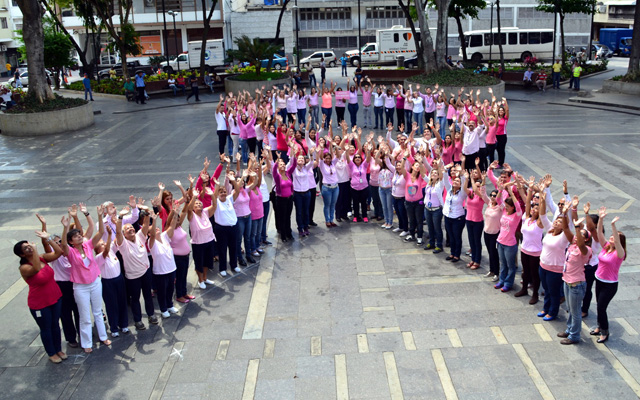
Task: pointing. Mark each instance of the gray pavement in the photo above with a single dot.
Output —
(349, 313)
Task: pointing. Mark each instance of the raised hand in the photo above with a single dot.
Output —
(616, 219)
(65, 221)
(108, 229)
(586, 207)
(100, 210)
(177, 183)
(191, 179)
(575, 201)
(73, 210)
(602, 212)
(41, 219)
(42, 234)
(161, 186)
(124, 211)
(83, 208)
(132, 201)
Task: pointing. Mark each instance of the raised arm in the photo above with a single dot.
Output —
(616, 239)
(602, 212)
(98, 236)
(152, 229)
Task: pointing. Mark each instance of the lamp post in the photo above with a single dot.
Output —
(491, 35)
(295, 7)
(593, 12)
(164, 34)
(359, 35)
(175, 36)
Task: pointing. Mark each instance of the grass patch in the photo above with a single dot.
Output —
(454, 77)
(28, 105)
(264, 76)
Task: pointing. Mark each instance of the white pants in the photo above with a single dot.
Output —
(89, 299)
(235, 139)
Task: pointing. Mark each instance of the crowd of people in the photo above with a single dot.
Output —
(436, 167)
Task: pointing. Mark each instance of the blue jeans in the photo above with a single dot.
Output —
(552, 285)
(387, 204)
(265, 207)
(418, 118)
(401, 212)
(574, 296)
(114, 295)
(434, 224)
(327, 113)
(329, 198)
(454, 227)
(48, 320)
(244, 231)
(377, 114)
(312, 80)
(556, 79)
(344, 70)
(442, 121)
(474, 230)
(244, 150)
(256, 231)
(88, 90)
(374, 194)
(576, 83)
(508, 265)
(313, 110)
(388, 112)
(230, 146)
(302, 115)
(407, 121)
(353, 113)
(301, 200)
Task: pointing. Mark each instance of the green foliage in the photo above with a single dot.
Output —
(57, 49)
(567, 6)
(468, 8)
(131, 40)
(265, 76)
(31, 105)
(105, 86)
(252, 51)
(455, 77)
(156, 60)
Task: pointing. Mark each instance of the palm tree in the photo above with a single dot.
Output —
(252, 51)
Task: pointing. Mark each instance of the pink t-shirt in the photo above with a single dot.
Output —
(474, 208)
(553, 249)
(502, 126)
(413, 190)
(374, 173)
(241, 204)
(82, 272)
(134, 255)
(255, 204)
(532, 236)
(491, 134)
(608, 266)
(326, 100)
(492, 216)
(509, 225)
(201, 229)
(574, 264)
(447, 155)
(359, 175)
(179, 242)
(109, 265)
(451, 112)
(457, 150)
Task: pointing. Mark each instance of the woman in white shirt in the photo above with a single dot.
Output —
(454, 213)
(226, 225)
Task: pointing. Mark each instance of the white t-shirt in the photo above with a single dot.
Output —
(134, 255)
(109, 266)
(225, 213)
(418, 104)
(221, 121)
(162, 253)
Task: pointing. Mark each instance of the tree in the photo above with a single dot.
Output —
(499, 36)
(206, 19)
(430, 62)
(459, 9)
(285, 3)
(252, 51)
(57, 51)
(406, 8)
(33, 36)
(633, 71)
(564, 7)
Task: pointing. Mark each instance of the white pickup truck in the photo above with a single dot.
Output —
(214, 57)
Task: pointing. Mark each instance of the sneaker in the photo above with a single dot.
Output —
(488, 274)
(405, 233)
(250, 260)
(209, 282)
(115, 334)
(494, 278)
(383, 226)
(153, 320)
(419, 242)
(223, 273)
(437, 250)
(255, 253)
(396, 230)
(408, 238)
(388, 227)
(202, 285)
(140, 326)
(505, 289)
(166, 314)
(260, 251)
(237, 269)
(429, 247)
(498, 285)
(349, 214)
(366, 219)
(242, 262)
(172, 310)
(126, 331)
(355, 219)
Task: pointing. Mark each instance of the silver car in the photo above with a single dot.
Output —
(330, 59)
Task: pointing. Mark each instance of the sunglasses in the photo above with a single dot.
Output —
(494, 195)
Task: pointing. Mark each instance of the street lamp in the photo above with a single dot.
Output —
(164, 33)
(175, 36)
(491, 35)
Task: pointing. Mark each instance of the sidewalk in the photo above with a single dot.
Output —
(610, 100)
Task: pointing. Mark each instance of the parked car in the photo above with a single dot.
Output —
(330, 59)
(601, 51)
(279, 62)
(24, 78)
(411, 62)
(132, 67)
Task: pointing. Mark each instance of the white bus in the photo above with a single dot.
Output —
(516, 44)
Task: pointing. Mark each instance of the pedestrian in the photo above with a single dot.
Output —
(323, 71)
(507, 242)
(129, 89)
(577, 71)
(164, 264)
(312, 76)
(18, 83)
(86, 82)
(557, 68)
(202, 236)
(327, 98)
(140, 87)
(343, 62)
(193, 84)
(378, 107)
(221, 124)
(366, 101)
(353, 104)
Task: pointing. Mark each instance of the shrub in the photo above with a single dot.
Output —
(109, 86)
(264, 76)
(29, 105)
(455, 77)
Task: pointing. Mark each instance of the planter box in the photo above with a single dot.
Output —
(236, 86)
(47, 123)
(390, 75)
(498, 90)
(611, 86)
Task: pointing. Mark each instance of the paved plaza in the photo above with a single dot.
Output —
(348, 313)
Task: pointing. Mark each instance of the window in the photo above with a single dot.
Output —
(534, 37)
(523, 38)
(369, 48)
(476, 41)
(502, 39)
(547, 37)
(531, 12)
(513, 38)
(3, 23)
(396, 37)
(342, 42)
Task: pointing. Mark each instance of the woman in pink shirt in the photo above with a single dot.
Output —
(327, 98)
(314, 106)
(413, 197)
(85, 275)
(256, 206)
(374, 186)
(501, 132)
(241, 189)
(202, 237)
(359, 186)
(247, 131)
(614, 252)
(340, 107)
(507, 243)
(492, 128)
(492, 214)
(447, 150)
(534, 225)
(476, 199)
(283, 184)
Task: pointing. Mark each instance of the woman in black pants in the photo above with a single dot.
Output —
(614, 252)
(359, 185)
(283, 183)
(226, 225)
(492, 214)
(501, 132)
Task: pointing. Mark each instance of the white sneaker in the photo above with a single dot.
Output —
(488, 274)
(408, 238)
(419, 241)
(115, 334)
(201, 285)
(166, 314)
(349, 214)
(125, 330)
(383, 226)
(255, 254)
(397, 230)
(223, 273)
(389, 227)
(209, 282)
(172, 310)
(405, 233)
(237, 269)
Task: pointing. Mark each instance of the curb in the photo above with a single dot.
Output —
(602, 103)
(105, 95)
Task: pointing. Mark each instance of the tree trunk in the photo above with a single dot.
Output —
(634, 57)
(500, 35)
(206, 19)
(427, 41)
(564, 55)
(282, 10)
(56, 76)
(33, 36)
(441, 35)
(463, 45)
(418, 42)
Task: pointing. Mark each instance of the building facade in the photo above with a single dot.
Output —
(613, 14)
(10, 22)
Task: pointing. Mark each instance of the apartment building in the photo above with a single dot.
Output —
(10, 22)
